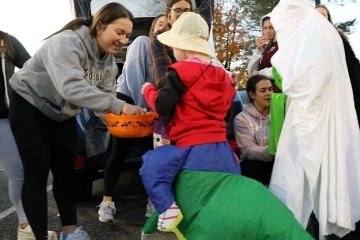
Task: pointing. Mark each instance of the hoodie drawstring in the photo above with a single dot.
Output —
(3, 50)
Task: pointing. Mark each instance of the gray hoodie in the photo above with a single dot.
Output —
(67, 73)
(251, 133)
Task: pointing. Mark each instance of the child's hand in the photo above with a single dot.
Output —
(143, 87)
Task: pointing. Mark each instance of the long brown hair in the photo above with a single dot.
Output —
(106, 15)
(9, 49)
(326, 9)
(342, 34)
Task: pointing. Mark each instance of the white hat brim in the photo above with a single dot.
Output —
(185, 42)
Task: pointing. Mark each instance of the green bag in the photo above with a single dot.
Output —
(277, 114)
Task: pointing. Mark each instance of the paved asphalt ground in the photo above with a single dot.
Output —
(130, 201)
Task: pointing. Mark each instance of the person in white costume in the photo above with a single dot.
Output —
(317, 163)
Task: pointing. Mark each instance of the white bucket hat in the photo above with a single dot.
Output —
(189, 32)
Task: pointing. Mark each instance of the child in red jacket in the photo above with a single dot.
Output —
(195, 100)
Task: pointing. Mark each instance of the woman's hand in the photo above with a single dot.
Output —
(261, 42)
(133, 110)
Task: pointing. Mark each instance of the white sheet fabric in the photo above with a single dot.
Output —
(317, 164)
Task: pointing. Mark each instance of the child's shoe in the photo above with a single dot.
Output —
(106, 211)
(79, 234)
(170, 218)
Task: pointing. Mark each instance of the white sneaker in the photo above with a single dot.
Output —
(169, 220)
(79, 234)
(149, 208)
(106, 211)
(27, 234)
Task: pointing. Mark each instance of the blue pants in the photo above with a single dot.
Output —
(160, 167)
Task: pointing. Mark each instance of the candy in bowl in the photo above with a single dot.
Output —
(130, 126)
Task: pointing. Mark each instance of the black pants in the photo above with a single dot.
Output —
(258, 170)
(44, 145)
(120, 150)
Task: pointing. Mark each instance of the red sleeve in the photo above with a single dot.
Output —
(150, 95)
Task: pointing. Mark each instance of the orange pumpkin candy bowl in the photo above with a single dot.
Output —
(130, 126)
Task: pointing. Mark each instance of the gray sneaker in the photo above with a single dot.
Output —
(107, 211)
(79, 234)
(27, 234)
(149, 208)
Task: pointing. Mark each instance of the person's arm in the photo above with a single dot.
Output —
(163, 101)
(160, 59)
(254, 62)
(245, 139)
(62, 63)
(267, 72)
(136, 71)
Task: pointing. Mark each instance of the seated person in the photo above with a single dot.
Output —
(251, 128)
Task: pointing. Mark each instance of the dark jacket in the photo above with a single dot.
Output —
(15, 56)
(353, 66)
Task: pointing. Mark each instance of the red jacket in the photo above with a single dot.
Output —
(204, 95)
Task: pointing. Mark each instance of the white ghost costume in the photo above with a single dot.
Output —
(317, 163)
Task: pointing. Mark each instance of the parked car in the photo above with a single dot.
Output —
(243, 96)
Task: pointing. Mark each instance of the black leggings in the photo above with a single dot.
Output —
(119, 153)
(44, 145)
(120, 150)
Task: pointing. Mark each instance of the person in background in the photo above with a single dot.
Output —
(74, 68)
(352, 62)
(13, 54)
(136, 71)
(194, 100)
(161, 56)
(266, 47)
(251, 127)
(316, 166)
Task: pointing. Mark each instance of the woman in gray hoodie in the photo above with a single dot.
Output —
(251, 128)
(74, 68)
